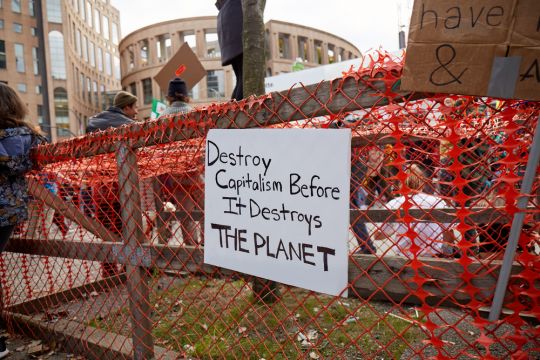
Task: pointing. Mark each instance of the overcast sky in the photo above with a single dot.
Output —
(368, 24)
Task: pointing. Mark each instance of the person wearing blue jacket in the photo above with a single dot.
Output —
(17, 138)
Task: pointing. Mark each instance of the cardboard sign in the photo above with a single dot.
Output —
(277, 205)
(185, 59)
(474, 47)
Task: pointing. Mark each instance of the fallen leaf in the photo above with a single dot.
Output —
(314, 355)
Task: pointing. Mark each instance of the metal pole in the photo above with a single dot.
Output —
(517, 224)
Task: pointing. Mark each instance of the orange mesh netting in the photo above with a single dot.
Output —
(111, 259)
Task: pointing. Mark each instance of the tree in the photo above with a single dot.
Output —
(254, 65)
(254, 62)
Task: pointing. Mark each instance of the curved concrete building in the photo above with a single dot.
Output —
(145, 51)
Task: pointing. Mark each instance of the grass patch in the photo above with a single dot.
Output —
(213, 318)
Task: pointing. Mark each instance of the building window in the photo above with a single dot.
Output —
(145, 51)
(91, 53)
(108, 63)
(131, 59)
(33, 31)
(341, 55)
(99, 59)
(2, 54)
(31, 10)
(303, 48)
(284, 46)
(104, 103)
(189, 37)
(81, 85)
(38, 89)
(163, 47)
(1, 23)
(212, 44)
(194, 92)
(95, 92)
(215, 84)
(147, 90)
(16, 6)
(17, 28)
(82, 9)
(21, 87)
(116, 65)
(35, 60)
(85, 48)
(19, 58)
(39, 111)
(115, 33)
(89, 90)
(318, 51)
(89, 13)
(78, 42)
(331, 54)
(105, 26)
(58, 57)
(133, 88)
(61, 112)
(54, 11)
(97, 20)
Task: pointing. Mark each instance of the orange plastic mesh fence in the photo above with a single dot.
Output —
(111, 258)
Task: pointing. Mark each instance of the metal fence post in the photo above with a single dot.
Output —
(137, 277)
(517, 225)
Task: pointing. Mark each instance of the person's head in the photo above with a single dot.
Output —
(126, 102)
(416, 178)
(12, 109)
(177, 91)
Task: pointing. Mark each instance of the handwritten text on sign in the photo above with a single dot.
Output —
(474, 47)
(277, 205)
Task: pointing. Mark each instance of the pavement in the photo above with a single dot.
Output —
(22, 347)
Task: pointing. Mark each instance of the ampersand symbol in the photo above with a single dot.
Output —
(444, 65)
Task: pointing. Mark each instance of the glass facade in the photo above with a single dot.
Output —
(19, 58)
(105, 27)
(2, 54)
(61, 111)
(58, 58)
(147, 90)
(54, 11)
(35, 60)
(16, 6)
(212, 44)
(215, 84)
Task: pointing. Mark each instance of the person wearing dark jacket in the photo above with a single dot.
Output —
(17, 138)
(124, 111)
(229, 29)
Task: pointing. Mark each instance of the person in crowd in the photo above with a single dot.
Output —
(182, 191)
(17, 138)
(106, 195)
(177, 96)
(229, 29)
(430, 239)
(124, 111)
(359, 200)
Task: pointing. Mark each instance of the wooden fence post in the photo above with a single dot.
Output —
(137, 276)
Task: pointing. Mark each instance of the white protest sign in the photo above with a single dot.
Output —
(277, 205)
